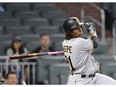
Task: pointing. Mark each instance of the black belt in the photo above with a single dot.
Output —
(85, 75)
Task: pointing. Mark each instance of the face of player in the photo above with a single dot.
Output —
(77, 32)
(17, 44)
(45, 41)
(12, 79)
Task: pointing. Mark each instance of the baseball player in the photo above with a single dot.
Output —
(77, 51)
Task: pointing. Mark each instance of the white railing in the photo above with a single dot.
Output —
(114, 38)
(4, 66)
(101, 24)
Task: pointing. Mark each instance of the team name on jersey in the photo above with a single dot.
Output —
(67, 49)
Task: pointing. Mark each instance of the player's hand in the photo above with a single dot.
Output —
(90, 27)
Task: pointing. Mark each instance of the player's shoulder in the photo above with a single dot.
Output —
(82, 40)
(74, 39)
(79, 39)
(63, 42)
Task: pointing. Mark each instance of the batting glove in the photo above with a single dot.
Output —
(90, 27)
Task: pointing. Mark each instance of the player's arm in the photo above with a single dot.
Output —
(95, 41)
(91, 30)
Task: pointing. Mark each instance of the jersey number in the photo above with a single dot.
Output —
(67, 49)
(70, 63)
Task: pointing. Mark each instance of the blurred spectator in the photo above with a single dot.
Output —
(44, 44)
(2, 79)
(108, 19)
(16, 49)
(1, 9)
(11, 78)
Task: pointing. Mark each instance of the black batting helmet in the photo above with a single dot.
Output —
(70, 24)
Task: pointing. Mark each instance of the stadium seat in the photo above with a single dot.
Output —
(58, 73)
(17, 7)
(103, 59)
(46, 29)
(58, 22)
(64, 78)
(108, 69)
(10, 22)
(36, 22)
(5, 15)
(1, 30)
(1, 4)
(101, 49)
(30, 38)
(32, 46)
(18, 30)
(43, 64)
(54, 15)
(44, 7)
(57, 37)
(26, 14)
(58, 46)
(5, 38)
(4, 46)
(114, 75)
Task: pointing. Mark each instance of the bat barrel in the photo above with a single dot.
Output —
(34, 55)
(26, 55)
(20, 56)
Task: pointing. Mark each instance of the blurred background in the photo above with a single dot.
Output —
(37, 27)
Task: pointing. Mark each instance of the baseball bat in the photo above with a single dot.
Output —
(85, 23)
(34, 55)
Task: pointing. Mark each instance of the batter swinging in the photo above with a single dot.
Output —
(77, 50)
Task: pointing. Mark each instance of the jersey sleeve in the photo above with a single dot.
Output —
(63, 44)
(87, 44)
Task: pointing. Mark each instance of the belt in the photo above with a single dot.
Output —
(86, 75)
